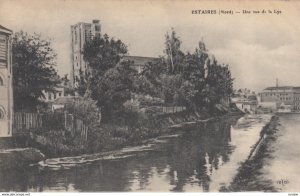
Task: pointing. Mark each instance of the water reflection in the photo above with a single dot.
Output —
(183, 163)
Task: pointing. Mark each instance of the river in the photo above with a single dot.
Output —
(201, 159)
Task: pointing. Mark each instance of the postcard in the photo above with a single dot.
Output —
(149, 96)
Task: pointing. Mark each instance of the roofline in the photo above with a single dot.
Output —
(5, 30)
(141, 56)
(282, 87)
(79, 23)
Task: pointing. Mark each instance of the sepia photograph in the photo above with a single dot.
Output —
(149, 96)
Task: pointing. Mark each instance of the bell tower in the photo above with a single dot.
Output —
(6, 91)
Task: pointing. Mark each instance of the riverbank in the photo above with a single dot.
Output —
(196, 159)
(133, 129)
(59, 143)
(19, 157)
(249, 177)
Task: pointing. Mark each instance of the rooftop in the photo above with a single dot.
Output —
(139, 60)
(65, 100)
(283, 88)
(5, 30)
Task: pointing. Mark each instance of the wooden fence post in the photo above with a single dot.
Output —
(65, 118)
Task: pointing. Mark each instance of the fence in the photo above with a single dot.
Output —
(173, 109)
(163, 109)
(26, 122)
(75, 125)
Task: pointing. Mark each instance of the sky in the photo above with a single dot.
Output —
(258, 47)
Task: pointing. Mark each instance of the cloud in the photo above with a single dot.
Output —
(258, 48)
(257, 66)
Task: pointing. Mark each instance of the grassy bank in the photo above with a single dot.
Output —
(125, 130)
(19, 157)
(249, 177)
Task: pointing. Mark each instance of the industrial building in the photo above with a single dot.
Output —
(280, 98)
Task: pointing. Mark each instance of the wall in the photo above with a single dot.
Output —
(6, 98)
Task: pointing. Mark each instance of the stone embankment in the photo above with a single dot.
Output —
(249, 177)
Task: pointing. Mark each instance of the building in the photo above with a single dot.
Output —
(283, 98)
(53, 95)
(139, 62)
(245, 100)
(6, 91)
(63, 103)
(80, 34)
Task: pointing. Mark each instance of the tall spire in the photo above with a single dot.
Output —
(277, 85)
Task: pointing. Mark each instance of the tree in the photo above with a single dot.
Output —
(149, 81)
(173, 52)
(189, 79)
(33, 71)
(103, 53)
(113, 89)
(67, 85)
(193, 76)
(65, 80)
(109, 80)
(219, 83)
(82, 82)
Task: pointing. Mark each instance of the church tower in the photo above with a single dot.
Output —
(6, 91)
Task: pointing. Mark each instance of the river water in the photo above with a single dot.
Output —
(201, 159)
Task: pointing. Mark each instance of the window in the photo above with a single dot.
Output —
(75, 36)
(59, 94)
(49, 96)
(1, 81)
(54, 95)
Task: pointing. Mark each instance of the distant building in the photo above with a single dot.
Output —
(63, 103)
(53, 95)
(139, 62)
(282, 98)
(6, 90)
(81, 33)
(245, 100)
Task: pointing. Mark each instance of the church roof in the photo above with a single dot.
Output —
(139, 60)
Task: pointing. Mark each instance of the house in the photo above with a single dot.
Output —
(53, 95)
(62, 103)
(245, 100)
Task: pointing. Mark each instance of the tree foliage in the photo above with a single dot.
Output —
(33, 71)
(103, 53)
(194, 80)
(109, 80)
